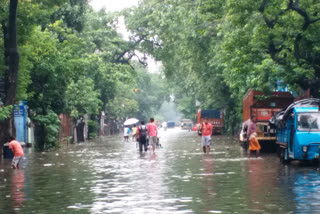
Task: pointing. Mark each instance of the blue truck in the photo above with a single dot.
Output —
(298, 130)
(171, 124)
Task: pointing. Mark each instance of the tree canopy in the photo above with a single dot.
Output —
(73, 61)
(214, 50)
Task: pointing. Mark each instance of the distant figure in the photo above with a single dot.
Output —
(17, 151)
(134, 133)
(142, 136)
(153, 133)
(164, 126)
(254, 145)
(126, 133)
(206, 130)
(189, 127)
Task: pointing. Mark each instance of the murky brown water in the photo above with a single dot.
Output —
(110, 176)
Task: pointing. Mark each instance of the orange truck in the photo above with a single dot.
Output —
(213, 116)
(262, 107)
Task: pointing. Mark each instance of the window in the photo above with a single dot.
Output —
(309, 121)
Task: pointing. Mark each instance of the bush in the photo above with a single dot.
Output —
(93, 129)
(5, 112)
(51, 125)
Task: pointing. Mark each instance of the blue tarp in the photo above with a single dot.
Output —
(171, 124)
(212, 113)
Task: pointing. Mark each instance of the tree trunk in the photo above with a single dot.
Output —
(80, 132)
(11, 55)
(12, 75)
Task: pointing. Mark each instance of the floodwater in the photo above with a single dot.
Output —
(110, 176)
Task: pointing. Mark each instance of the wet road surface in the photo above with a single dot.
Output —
(110, 176)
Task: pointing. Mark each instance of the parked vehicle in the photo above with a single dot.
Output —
(298, 130)
(256, 104)
(213, 116)
(186, 124)
(171, 124)
(195, 128)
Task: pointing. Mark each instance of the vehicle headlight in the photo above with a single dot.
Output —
(304, 148)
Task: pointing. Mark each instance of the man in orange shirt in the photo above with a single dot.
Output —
(206, 129)
(17, 150)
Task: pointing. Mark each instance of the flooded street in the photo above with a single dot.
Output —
(110, 176)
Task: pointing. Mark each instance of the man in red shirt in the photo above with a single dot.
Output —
(153, 133)
(206, 129)
(17, 150)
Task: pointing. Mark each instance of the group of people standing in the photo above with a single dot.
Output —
(144, 134)
(251, 130)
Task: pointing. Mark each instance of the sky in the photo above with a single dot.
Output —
(113, 5)
(118, 5)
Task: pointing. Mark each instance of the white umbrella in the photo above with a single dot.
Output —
(130, 121)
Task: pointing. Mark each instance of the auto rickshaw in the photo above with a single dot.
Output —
(298, 130)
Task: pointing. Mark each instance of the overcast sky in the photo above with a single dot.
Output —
(113, 5)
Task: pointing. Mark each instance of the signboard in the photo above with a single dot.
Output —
(264, 114)
(19, 111)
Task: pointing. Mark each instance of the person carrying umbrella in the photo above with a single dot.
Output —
(126, 129)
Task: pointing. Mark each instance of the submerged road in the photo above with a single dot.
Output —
(110, 176)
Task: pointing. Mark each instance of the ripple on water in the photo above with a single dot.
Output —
(110, 176)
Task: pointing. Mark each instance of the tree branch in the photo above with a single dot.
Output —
(314, 20)
(270, 22)
(307, 21)
(123, 53)
(263, 4)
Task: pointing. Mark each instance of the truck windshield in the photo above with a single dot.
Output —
(309, 121)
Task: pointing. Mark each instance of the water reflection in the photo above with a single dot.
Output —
(109, 176)
(17, 188)
(208, 182)
(256, 184)
(304, 184)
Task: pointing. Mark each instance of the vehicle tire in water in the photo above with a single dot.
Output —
(284, 156)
